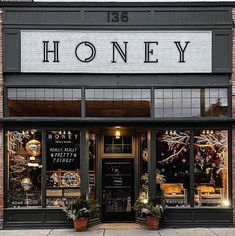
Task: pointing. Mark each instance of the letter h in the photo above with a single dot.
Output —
(46, 51)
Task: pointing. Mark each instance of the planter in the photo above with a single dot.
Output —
(152, 222)
(80, 224)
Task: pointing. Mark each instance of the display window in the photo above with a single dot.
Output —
(24, 168)
(173, 160)
(211, 168)
(62, 180)
(210, 173)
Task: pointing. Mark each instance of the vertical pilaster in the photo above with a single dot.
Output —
(1, 128)
(84, 162)
(233, 115)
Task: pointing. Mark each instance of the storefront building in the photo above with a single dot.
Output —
(113, 102)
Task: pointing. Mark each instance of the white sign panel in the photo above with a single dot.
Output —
(116, 51)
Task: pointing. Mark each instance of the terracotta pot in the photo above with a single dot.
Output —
(152, 222)
(80, 224)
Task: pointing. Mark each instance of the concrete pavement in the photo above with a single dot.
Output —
(122, 230)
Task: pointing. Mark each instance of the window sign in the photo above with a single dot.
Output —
(63, 167)
(62, 150)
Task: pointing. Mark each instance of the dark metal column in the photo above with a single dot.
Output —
(84, 160)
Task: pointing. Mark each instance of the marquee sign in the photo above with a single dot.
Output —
(116, 51)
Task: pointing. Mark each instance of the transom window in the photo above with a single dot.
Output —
(198, 102)
(44, 102)
(118, 102)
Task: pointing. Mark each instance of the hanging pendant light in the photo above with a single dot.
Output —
(117, 134)
(33, 147)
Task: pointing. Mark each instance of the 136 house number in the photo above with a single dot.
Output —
(114, 16)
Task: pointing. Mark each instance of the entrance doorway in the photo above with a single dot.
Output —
(118, 167)
(118, 189)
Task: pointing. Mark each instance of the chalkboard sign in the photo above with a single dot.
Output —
(63, 150)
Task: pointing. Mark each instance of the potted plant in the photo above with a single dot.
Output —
(152, 211)
(80, 211)
(94, 209)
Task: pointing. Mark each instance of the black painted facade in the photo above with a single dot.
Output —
(120, 16)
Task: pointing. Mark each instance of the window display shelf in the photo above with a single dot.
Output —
(61, 197)
(63, 187)
(63, 192)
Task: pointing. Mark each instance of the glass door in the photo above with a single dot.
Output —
(118, 189)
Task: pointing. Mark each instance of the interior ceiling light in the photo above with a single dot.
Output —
(117, 133)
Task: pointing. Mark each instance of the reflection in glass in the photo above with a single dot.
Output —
(172, 169)
(63, 167)
(43, 102)
(216, 102)
(191, 102)
(211, 168)
(118, 102)
(25, 165)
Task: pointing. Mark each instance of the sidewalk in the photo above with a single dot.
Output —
(122, 230)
